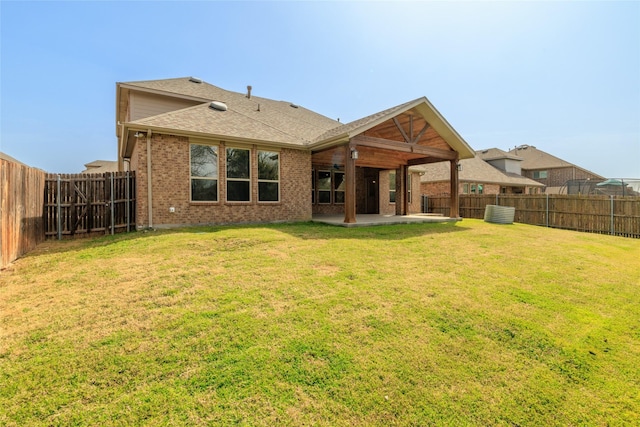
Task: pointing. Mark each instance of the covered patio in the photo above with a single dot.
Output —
(362, 152)
(368, 220)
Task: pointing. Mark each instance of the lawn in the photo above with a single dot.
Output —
(306, 324)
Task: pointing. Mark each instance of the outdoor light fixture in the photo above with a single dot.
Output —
(138, 134)
(354, 154)
(459, 167)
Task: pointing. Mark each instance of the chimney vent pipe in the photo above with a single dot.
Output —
(249, 91)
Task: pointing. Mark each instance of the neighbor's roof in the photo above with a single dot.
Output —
(537, 159)
(101, 166)
(496, 154)
(475, 170)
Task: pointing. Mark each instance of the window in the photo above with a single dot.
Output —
(313, 186)
(338, 187)
(238, 175)
(465, 188)
(204, 173)
(268, 176)
(539, 174)
(392, 186)
(324, 187)
(480, 188)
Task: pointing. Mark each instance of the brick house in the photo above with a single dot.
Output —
(555, 174)
(205, 155)
(490, 172)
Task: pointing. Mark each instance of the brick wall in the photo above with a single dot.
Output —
(170, 171)
(557, 177)
(444, 188)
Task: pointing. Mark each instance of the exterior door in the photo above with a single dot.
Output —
(372, 189)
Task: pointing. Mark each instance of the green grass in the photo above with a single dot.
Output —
(305, 324)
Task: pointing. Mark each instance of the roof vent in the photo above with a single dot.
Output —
(194, 80)
(293, 105)
(217, 105)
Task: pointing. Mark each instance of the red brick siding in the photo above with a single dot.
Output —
(557, 177)
(444, 188)
(171, 187)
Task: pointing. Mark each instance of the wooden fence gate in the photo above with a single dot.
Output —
(89, 203)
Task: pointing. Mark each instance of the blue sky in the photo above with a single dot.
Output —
(563, 76)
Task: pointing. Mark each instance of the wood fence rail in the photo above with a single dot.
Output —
(21, 227)
(615, 215)
(89, 203)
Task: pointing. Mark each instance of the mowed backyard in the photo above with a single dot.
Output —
(305, 324)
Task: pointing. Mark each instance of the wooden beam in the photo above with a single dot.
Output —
(369, 141)
(423, 161)
(417, 138)
(404, 134)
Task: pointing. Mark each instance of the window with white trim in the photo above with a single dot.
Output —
(204, 172)
(238, 175)
(268, 176)
(539, 174)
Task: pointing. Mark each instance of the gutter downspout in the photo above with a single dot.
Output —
(149, 188)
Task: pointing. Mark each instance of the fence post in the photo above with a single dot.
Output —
(547, 209)
(112, 205)
(612, 222)
(59, 209)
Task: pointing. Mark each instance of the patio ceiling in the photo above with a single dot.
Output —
(406, 139)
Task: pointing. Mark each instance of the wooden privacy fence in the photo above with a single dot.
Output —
(21, 227)
(614, 215)
(77, 204)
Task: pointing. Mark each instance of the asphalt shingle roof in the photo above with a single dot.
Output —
(255, 118)
(475, 170)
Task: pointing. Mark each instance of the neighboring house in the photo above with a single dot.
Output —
(478, 176)
(101, 166)
(203, 154)
(558, 176)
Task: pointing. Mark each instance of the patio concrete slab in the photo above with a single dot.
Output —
(368, 220)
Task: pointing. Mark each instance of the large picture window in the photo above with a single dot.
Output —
(238, 175)
(204, 173)
(338, 187)
(324, 187)
(268, 176)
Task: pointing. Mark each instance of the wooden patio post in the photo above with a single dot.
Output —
(401, 190)
(350, 185)
(455, 207)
